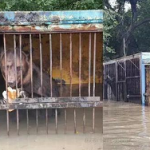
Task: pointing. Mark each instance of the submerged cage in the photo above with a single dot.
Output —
(127, 78)
(67, 46)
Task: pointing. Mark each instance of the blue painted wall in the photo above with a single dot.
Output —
(48, 17)
(145, 60)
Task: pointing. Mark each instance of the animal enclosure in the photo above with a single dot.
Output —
(127, 79)
(54, 57)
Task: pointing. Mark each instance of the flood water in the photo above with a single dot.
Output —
(60, 141)
(126, 126)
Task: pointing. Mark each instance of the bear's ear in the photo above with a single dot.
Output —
(27, 54)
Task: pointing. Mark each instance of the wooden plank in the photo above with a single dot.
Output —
(56, 99)
(51, 105)
(74, 28)
(138, 55)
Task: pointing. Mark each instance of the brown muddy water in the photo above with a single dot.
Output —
(60, 141)
(126, 126)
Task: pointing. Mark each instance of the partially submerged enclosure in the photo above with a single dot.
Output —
(127, 78)
(67, 46)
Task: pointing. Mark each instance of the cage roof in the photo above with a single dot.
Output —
(86, 20)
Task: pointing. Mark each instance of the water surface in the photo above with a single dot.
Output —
(61, 141)
(126, 126)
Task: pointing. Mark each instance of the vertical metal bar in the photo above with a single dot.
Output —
(56, 121)
(75, 121)
(41, 63)
(20, 47)
(93, 120)
(103, 82)
(15, 56)
(7, 115)
(17, 115)
(61, 64)
(6, 82)
(6, 71)
(46, 120)
(31, 65)
(94, 64)
(80, 61)
(65, 121)
(89, 86)
(117, 87)
(125, 88)
(109, 91)
(84, 120)
(37, 121)
(50, 46)
(27, 111)
(70, 65)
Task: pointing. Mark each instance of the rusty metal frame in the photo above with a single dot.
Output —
(51, 21)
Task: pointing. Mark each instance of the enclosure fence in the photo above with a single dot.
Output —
(44, 92)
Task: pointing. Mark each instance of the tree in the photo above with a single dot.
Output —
(48, 5)
(131, 32)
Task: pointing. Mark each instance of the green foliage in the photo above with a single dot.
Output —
(120, 24)
(143, 31)
(48, 5)
(113, 29)
(110, 24)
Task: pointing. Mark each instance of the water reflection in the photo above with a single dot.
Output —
(61, 141)
(126, 126)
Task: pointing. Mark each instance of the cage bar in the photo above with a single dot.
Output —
(8, 126)
(75, 121)
(56, 121)
(89, 84)
(80, 62)
(50, 47)
(84, 120)
(20, 48)
(46, 120)
(61, 75)
(93, 120)
(6, 71)
(15, 59)
(70, 65)
(17, 116)
(94, 64)
(37, 121)
(41, 64)
(31, 64)
(65, 113)
(27, 114)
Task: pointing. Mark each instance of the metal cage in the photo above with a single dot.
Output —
(57, 27)
(127, 78)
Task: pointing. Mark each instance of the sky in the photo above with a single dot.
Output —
(127, 5)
